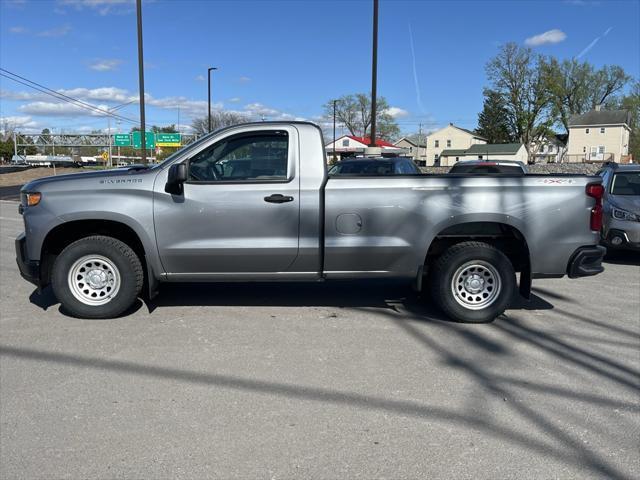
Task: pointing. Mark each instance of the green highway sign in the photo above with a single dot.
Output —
(122, 140)
(149, 140)
(168, 139)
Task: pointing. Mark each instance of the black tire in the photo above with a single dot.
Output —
(460, 256)
(129, 270)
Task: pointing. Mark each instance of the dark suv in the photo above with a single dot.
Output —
(621, 203)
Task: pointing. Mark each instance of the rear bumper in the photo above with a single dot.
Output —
(29, 269)
(586, 261)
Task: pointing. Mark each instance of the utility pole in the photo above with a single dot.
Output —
(109, 130)
(334, 129)
(419, 138)
(374, 74)
(15, 145)
(141, 81)
(209, 97)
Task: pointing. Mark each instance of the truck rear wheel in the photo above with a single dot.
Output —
(472, 282)
(97, 277)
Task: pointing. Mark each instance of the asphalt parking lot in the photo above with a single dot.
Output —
(343, 380)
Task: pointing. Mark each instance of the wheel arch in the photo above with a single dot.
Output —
(500, 232)
(70, 231)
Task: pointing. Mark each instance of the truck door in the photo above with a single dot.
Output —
(239, 212)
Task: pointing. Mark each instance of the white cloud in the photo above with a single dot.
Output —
(103, 7)
(105, 64)
(11, 95)
(55, 32)
(244, 79)
(258, 109)
(18, 29)
(38, 104)
(548, 37)
(22, 123)
(200, 78)
(191, 108)
(397, 112)
(102, 94)
(55, 109)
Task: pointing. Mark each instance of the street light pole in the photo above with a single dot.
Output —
(110, 111)
(334, 129)
(374, 74)
(141, 81)
(209, 97)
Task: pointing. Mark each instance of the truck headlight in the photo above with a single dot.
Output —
(31, 199)
(620, 214)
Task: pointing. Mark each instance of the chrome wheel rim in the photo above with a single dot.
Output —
(94, 280)
(476, 285)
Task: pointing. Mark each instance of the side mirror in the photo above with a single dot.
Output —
(176, 177)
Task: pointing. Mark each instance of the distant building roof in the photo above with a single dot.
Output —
(494, 148)
(601, 117)
(408, 140)
(453, 152)
(367, 140)
(471, 132)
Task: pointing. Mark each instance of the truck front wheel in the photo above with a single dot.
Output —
(97, 277)
(472, 282)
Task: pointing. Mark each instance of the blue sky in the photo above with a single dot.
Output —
(285, 59)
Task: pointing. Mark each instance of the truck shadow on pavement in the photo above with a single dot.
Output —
(493, 360)
(373, 294)
(622, 257)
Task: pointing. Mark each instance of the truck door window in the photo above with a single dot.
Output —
(253, 157)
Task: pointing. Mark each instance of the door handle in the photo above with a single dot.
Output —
(278, 198)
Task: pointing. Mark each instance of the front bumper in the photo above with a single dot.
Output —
(29, 269)
(586, 261)
(628, 239)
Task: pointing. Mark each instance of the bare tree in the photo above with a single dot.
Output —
(354, 111)
(518, 78)
(219, 119)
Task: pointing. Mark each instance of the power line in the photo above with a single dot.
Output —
(60, 96)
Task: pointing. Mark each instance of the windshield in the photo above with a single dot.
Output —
(627, 183)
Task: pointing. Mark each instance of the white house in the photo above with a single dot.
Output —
(487, 151)
(551, 149)
(450, 137)
(599, 135)
(417, 151)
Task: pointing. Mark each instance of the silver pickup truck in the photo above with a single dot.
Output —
(255, 203)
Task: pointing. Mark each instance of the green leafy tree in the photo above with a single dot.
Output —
(6, 150)
(354, 111)
(492, 120)
(576, 87)
(517, 77)
(167, 129)
(631, 103)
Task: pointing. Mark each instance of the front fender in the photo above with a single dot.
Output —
(143, 229)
